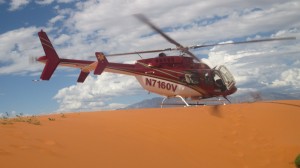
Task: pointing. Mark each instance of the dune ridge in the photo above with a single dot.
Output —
(261, 134)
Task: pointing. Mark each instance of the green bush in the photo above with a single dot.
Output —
(297, 161)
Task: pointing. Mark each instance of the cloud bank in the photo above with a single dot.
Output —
(96, 93)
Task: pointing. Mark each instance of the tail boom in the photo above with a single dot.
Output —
(52, 60)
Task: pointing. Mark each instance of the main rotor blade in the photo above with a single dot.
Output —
(142, 52)
(145, 20)
(203, 46)
(242, 42)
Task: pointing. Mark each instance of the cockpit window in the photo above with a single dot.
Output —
(227, 77)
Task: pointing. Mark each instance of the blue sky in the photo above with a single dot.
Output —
(79, 29)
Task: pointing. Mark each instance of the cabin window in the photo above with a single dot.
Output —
(206, 78)
(192, 78)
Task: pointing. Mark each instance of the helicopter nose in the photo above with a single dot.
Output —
(232, 90)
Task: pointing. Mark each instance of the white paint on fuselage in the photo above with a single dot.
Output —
(160, 86)
(165, 88)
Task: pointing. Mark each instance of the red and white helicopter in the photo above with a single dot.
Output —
(183, 76)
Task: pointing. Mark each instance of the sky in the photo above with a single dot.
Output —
(78, 29)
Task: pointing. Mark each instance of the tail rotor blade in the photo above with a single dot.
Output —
(32, 60)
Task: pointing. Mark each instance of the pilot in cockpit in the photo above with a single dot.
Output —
(162, 55)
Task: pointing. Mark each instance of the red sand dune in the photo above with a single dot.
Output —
(263, 134)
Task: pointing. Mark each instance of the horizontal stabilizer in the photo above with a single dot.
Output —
(102, 63)
(82, 76)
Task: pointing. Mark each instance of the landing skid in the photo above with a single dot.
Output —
(220, 100)
(186, 104)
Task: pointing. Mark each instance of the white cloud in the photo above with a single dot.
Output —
(290, 77)
(44, 2)
(262, 65)
(17, 4)
(62, 39)
(56, 19)
(17, 46)
(65, 1)
(96, 93)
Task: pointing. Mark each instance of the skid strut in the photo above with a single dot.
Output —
(178, 96)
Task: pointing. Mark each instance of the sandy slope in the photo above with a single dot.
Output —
(256, 135)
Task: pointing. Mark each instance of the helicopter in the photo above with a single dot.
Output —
(182, 76)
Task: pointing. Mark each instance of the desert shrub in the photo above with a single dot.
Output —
(5, 121)
(4, 116)
(19, 118)
(33, 120)
(51, 119)
(297, 161)
(63, 115)
(256, 96)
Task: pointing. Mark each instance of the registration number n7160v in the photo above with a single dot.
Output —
(161, 84)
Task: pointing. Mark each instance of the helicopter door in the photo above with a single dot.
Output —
(219, 82)
(207, 79)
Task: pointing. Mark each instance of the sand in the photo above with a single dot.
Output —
(262, 134)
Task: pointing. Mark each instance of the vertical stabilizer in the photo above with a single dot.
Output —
(52, 59)
(102, 63)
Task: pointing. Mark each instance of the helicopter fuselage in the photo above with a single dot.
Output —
(178, 75)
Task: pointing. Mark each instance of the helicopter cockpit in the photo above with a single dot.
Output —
(219, 77)
(223, 78)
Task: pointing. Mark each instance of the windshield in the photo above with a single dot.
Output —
(226, 76)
